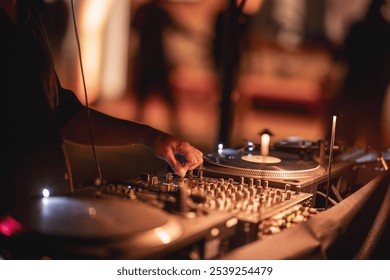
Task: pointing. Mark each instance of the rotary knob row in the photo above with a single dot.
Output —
(285, 219)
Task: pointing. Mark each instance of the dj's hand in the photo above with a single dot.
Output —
(167, 147)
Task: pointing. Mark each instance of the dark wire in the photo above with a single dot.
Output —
(86, 101)
(327, 197)
(336, 193)
(331, 147)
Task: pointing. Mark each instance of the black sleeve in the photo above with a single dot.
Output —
(68, 106)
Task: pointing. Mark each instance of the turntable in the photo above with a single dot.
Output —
(86, 227)
(292, 163)
(246, 163)
(73, 217)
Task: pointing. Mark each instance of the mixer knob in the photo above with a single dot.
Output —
(298, 218)
(287, 187)
(121, 188)
(269, 202)
(252, 191)
(183, 183)
(240, 195)
(288, 195)
(168, 187)
(212, 204)
(202, 192)
(220, 204)
(230, 181)
(246, 193)
(249, 209)
(154, 180)
(282, 224)
(250, 183)
(306, 215)
(145, 177)
(298, 189)
(111, 187)
(224, 188)
(244, 205)
(169, 176)
(242, 180)
(228, 203)
(222, 195)
(200, 174)
(256, 206)
(266, 183)
(258, 183)
(240, 187)
(172, 187)
(164, 188)
(228, 192)
(290, 217)
(260, 200)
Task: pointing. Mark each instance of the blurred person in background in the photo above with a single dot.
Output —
(151, 66)
(231, 41)
(366, 52)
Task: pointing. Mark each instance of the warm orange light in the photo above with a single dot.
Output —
(94, 15)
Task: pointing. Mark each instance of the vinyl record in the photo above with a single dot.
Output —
(97, 219)
(289, 165)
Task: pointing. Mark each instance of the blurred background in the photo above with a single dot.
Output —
(163, 63)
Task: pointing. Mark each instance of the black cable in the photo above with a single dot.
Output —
(336, 193)
(86, 101)
(331, 148)
(334, 202)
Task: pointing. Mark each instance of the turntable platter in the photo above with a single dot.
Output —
(99, 219)
(290, 165)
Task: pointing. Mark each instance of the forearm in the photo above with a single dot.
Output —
(107, 130)
(110, 131)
